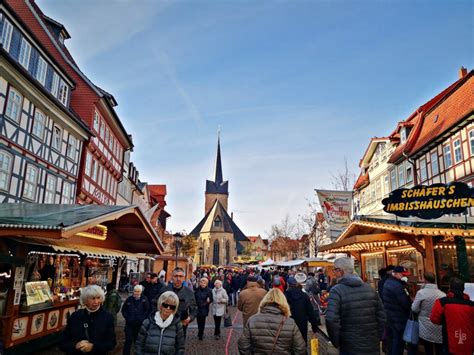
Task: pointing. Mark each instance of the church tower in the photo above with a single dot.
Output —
(219, 239)
(217, 189)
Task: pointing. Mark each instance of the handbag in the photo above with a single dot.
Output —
(278, 333)
(227, 319)
(411, 333)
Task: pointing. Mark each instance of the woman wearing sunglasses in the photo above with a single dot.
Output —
(162, 333)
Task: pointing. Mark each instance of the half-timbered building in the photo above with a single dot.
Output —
(102, 156)
(41, 138)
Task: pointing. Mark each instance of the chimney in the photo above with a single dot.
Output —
(462, 72)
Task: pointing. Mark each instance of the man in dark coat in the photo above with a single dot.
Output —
(302, 310)
(153, 290)
(187, 309)
(397, 304)
(135, 310)
(355, 317)
(203, 295)
(236, 281)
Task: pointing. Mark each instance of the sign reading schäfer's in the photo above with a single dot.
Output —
(429, 202)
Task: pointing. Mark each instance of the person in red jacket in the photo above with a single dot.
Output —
(455, 313)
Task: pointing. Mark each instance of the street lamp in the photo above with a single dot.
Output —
(177, 244)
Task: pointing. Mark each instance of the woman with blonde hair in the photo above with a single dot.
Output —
(219, 304)
(162, 333)
(271, 330)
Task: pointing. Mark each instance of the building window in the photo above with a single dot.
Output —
(71, 147)
(7, 34)
(106, 140)
(96, 121)
(41, 70)
(423, 172)
(50, 193)
(457, 151)
(215, 254)
(409, 173)
(378, 189)
(386, 184)
(5, 169)
(471, 141)
(111, 140)
(38, 124)
(403, 135)
(25, 51)
(55, 85)
(13, 105)
(393, 179)
(217, 222)
(63, 93)
(102, 129)
(447, 156)
(31, 183)
(67, 194)
(434, 164)
(57, 138)
(88, 164)
(401, 175)
(94, 170)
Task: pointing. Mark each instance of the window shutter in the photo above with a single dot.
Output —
(15, 44)
(33, 61)
(49, 77)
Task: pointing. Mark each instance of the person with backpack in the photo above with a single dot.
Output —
(135, 310)
(112, 302)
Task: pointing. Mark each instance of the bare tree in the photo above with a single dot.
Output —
(343, 180)
(309, 223)
(285, 229)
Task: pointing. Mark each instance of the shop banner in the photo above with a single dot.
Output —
(336, 207)
(430, 202)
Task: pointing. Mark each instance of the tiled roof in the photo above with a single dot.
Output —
(416, 119)
(447, 114)
(158, 194)
(362, 180)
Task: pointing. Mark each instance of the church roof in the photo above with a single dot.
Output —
(218, 186)
(227, 225)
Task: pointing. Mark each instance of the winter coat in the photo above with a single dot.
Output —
(397, 303)
(235, 283)
(219, 301)
(100, 332)
(302, 310)
(187, 301)
(154, 340)
(260, 332)
(249, 300)
(152, 291)
(135, 310)
(112, 303)
(201, 295)
(422, 305)
(456, 313)
(355, 318)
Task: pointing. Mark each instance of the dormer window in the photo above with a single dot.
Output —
(61, 39)
(217, 222)
(403, 135)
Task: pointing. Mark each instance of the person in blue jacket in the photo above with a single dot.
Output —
(135, 310)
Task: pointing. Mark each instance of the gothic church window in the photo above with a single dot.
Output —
(217, 222)
(215, 254)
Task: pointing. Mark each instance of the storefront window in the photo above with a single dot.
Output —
(447, 263)
(410, 259)
(373, 263)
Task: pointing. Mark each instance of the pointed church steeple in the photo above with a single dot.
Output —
(218, 177)
(217, 189)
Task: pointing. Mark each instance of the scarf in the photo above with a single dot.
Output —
(163, 323)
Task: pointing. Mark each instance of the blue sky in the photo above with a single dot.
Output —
(295, 86)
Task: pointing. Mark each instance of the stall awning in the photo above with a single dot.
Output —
(65, 247)
(123, 228)
(289, 263)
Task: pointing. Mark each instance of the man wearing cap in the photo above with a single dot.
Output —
(249, 298)
(355, 317)
(397, 304)
(302, 310)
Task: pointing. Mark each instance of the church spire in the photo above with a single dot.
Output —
(218, 179)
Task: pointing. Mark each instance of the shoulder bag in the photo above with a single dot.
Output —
(411, 333)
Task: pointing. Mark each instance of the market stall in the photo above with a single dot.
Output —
(48, 252)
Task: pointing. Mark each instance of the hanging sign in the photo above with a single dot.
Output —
(97, 232)
(336, 206)
(429, 202)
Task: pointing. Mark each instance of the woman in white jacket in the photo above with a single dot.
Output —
(219, 304)
(430, 334)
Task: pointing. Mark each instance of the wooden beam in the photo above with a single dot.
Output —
(414, 243)
(429, 259)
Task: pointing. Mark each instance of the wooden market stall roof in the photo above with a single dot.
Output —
(374, 233)
(121, 229)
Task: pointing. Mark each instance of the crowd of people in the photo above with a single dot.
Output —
(277, 306)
